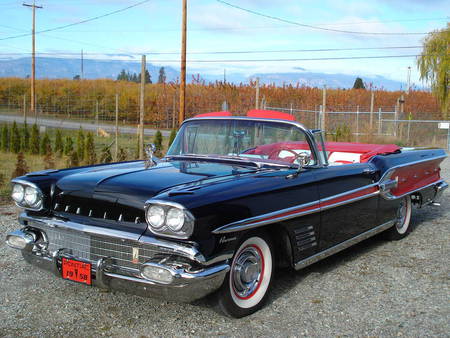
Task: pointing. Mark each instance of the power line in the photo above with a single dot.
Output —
(311, 26)
(79, 22)
(302, 59)
(221, 52)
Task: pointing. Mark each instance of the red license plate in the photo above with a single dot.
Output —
(76, 271)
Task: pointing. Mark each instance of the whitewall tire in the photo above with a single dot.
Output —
(246, 286)
(401, 227)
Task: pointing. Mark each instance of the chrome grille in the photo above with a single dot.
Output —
(93, 247)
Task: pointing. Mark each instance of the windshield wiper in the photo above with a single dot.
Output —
(260, 164)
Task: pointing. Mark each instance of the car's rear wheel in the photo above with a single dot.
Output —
(246, 286)
(402, 222)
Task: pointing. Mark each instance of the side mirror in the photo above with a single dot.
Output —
(301, 159)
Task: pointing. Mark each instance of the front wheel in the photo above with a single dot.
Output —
(246, 286)
(403, 219)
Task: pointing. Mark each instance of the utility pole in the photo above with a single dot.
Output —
(33, 62)
(82, 66)
(117, 128)
(257, 94)
(324, 105)
(24, 109)
(141, 110)
(372, 98)
(182, 113)
(408, 80)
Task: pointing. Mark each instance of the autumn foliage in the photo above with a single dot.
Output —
(84, 98)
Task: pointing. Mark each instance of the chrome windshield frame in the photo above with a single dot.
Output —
(309, 135)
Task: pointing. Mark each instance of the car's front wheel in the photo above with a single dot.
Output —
(246, 286)
(402, 222)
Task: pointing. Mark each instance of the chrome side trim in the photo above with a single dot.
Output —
(344, 245)
(257, 221)
(388, 196)
(349, 192)
(334, 205)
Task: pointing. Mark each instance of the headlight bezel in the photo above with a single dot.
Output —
(38, 205)
(184, 231)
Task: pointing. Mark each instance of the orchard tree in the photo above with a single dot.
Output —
(80, 145)
(59, 145)
(68, 146)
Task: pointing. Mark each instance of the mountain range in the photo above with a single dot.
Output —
(52, 68)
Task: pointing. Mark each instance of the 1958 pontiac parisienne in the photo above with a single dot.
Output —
(234, 197)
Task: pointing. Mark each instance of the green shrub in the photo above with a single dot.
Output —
(5, 138)
(157, 141)
(172, 136)
(14, 143)
(25, 146)
(68, 146)
(89, 150)
(59, 144)
(34, 140)
(45, 145)
(80, 144)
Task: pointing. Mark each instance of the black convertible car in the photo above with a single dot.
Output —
(233, 198)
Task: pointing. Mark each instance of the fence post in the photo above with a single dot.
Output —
(379, 121)
(257, 94)
(319, 117)
(372, 97)
(357, 123)
(395, 119)
(24, 109)
(409, 129)
(96, 115)
(117, 127)
(324, 105)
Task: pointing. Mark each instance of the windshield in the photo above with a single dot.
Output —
(256, 140)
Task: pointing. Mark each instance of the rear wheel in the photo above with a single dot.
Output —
(246, 286)
(403, 219)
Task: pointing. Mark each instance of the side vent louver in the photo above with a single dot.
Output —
(305, 238)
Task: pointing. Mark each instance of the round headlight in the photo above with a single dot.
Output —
(155, 216)
(175, 219)
(31, 196)
(17, 193)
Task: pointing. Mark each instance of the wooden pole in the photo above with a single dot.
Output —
(117, 127)
(33, 61)
(96, 115)
(24, 109)
(324, 104)
(257, 94)
(182, 113)
(372, 99)
(141, 110)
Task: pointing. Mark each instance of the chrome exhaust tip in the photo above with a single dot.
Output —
(21, 240)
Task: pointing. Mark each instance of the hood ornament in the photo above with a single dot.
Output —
(150, 161)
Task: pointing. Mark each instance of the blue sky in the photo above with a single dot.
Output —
(154, 27)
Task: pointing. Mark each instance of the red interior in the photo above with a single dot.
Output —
(270, 114)
(366, 151)
(214, 114)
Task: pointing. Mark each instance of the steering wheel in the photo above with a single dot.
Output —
(275, 155)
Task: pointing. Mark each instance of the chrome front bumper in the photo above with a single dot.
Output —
(193, 276)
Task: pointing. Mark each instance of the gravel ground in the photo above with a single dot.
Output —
(376, 288)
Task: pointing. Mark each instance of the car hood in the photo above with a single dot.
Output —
(132, 184)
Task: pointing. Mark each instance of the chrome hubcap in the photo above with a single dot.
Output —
(401, 214)
(246, 272)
